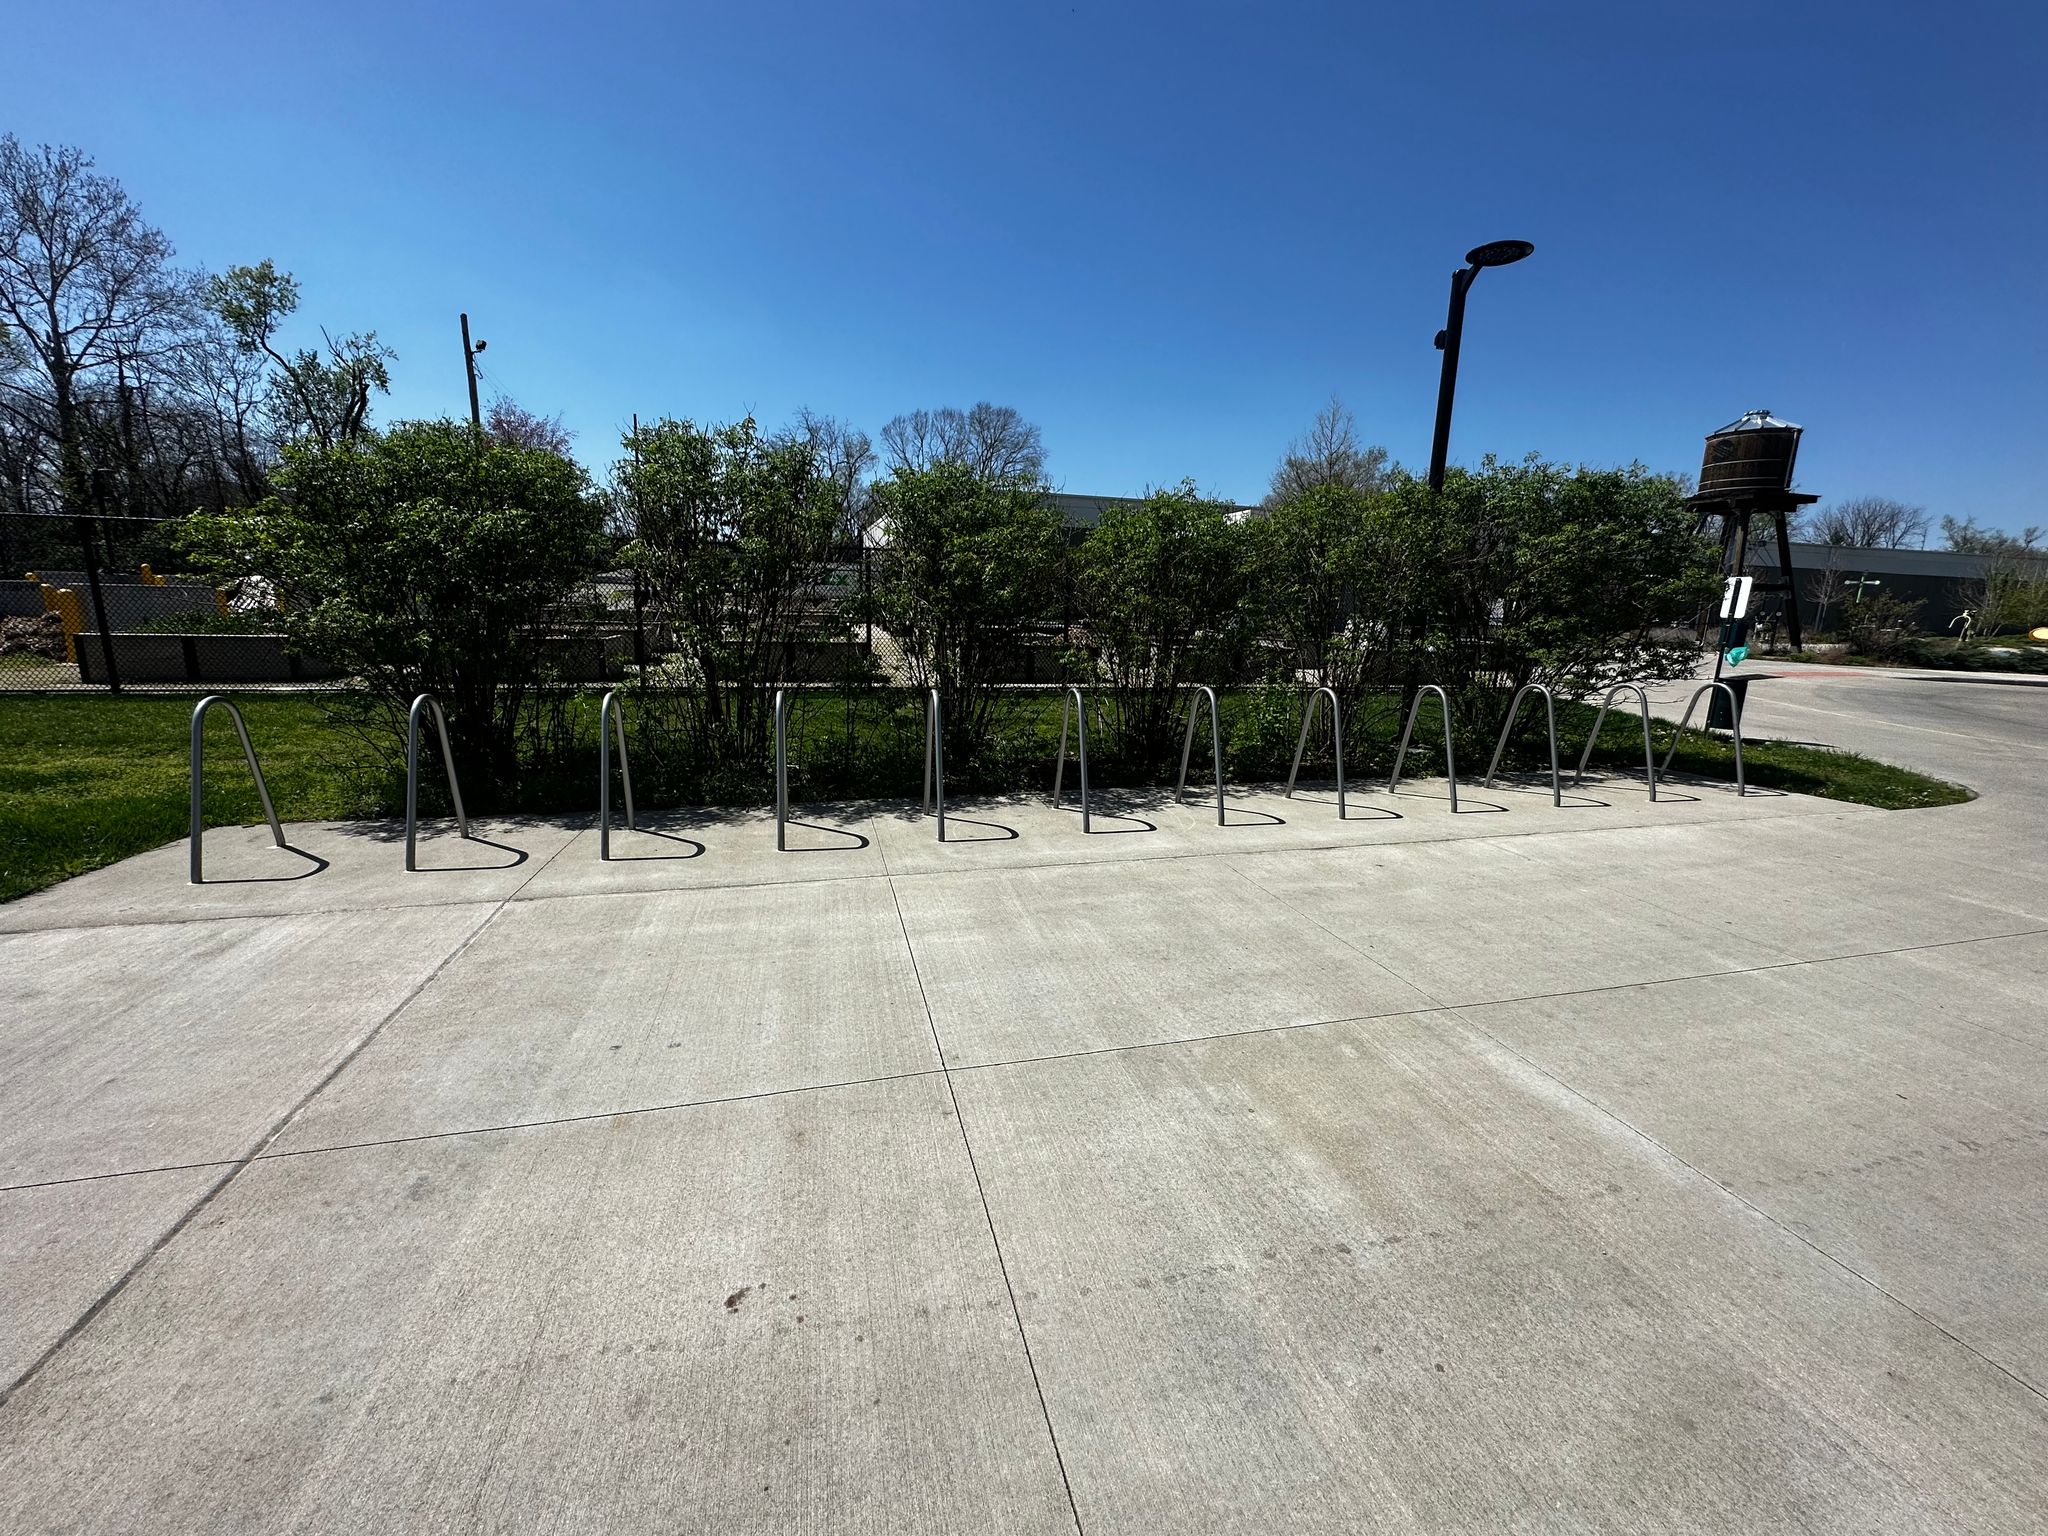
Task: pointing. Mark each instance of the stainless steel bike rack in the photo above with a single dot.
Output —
(1649, 752)
(782, 703)
(1734, 714)
(1187, 747)
(611, 721)
(935, 758)
(1508, 725)
(1401, 752)
(198, 756)
(1308, 716)
(1075, 704)
(412, 775)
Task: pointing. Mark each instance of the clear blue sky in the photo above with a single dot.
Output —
(1165, 233)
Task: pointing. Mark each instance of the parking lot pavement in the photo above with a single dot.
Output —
(1598, 1167)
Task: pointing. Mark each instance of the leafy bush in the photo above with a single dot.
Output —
(1880, 627)
(1334, 582)
(1163, 585)
(970, 567)
(733, 536)
(424, 559)
(1533, 572)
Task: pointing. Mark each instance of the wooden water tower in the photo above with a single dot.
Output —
(1745, 474)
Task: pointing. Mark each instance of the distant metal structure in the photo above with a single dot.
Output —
(1507, 727)
(198, 760)
(1203, 693)
(1408, 730)
(412, 775)
(1308, 715)
(1649, 752)
(611, 721)
(935, 759)
(1073, 703)
(1746, 474)
(1734, 713)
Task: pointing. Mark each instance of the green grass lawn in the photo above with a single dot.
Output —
(89, 780)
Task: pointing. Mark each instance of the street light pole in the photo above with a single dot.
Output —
(1497, 253)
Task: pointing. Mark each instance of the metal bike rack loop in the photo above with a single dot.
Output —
(1308, 716)
(611, 721)
(198, 756)
(1075, 704)
(412, 775)
(1401, 752)
(1187, 747)
(935, 758)
(1734, 714)
(1649, 752)
(1508, 725)
(782, 703)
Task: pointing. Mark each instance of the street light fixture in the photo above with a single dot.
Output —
(1495, 253)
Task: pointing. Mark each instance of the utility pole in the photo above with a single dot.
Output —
(469, 353)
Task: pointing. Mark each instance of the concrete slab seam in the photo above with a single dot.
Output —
(995, 1239)
(277, 1128)
(1749, 1205)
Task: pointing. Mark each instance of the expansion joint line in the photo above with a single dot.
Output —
(263, 1143)
(995, 1239)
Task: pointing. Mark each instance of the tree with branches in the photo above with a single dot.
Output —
(87, 291)
(993, 442)
(1329, 455)
(1864, 522)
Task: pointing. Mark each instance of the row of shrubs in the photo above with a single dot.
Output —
(431, 558)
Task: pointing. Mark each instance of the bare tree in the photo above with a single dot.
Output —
(993, 441)
(1864, 522)
(845, 455)
(1966, 537)
(1329, 455)
(515, 426)
(86, 288)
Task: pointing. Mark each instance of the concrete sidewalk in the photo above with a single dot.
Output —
(1615, 1166)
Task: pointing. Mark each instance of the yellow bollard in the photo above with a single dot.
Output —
(63, 602)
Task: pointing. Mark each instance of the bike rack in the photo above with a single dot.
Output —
(782, 703)
(1450, 757)
(1308, 716)
(198, 755)
(1734, 714)
(412, 775)
(611, 721)
(1649, 752)
(1508, 725)
(935, 758)
(1187, 747)
(1078, 706)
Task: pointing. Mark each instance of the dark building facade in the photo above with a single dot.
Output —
(1943, 583)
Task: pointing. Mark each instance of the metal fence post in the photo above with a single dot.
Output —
(99, 605)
